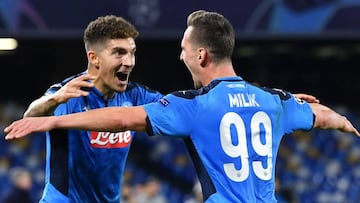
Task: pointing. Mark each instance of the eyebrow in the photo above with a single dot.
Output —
(122, 49)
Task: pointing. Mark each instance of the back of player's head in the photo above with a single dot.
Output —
(213, 31)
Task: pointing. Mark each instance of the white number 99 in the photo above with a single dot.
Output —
(241, 151)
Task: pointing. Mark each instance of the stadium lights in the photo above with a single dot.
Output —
(8, 44)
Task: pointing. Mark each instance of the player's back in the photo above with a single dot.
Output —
(238, 131)
(232, 130)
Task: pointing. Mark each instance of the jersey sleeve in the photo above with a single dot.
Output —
(298, 115)
(61, 109)
(171, 116)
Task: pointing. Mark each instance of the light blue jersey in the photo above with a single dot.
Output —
(232, 130)
(84, 166)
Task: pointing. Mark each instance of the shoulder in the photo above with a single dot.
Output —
(131, 85)
(68, 79)
(282, 94)
(138, 87)
(192, 93)
(187, 94)
(57, 86)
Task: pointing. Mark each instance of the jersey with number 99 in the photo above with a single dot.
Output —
(232, 130)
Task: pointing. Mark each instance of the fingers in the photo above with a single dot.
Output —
(308, 98)
(77, 87)
(86, 77)
(349, 127)
(10, 136)
(357, 133)
(84, 80)
(354, 130)
(84, 83)
(7, 129)
(18, 129)
(10, 132)
(83, 87)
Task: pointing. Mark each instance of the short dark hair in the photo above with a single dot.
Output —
(214, 31)
(108, 27)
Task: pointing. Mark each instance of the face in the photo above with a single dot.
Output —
(190, 56)
(25, 181)
(115, 63)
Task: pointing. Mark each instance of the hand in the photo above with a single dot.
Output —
(77, 87)
(348, 126)
(26, 126)
(306, 97)
(327, 118)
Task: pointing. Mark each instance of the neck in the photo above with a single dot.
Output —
(92, 70)
(99, 84)
(218, 71)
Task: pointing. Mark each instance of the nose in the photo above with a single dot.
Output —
(128, 59)
(181, 56)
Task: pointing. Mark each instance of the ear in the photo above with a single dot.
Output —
(202, 56)
(92, 57)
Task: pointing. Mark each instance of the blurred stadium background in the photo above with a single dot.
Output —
(309, 46)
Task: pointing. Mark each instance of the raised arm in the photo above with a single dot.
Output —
(42, 106)
(326, 118)
(46, 105)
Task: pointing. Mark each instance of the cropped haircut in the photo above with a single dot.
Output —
(213, 31)
(108, 27)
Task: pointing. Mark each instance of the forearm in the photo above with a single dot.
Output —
(110, 119)
(326, 118)
(43, 106)
(94, 120)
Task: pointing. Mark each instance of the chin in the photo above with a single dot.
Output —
(197, 85)
(121, 88)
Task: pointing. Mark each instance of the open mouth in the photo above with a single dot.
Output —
(121, 76)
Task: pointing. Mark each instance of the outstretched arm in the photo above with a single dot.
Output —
(326, 118)
(110, 119)
(46, 105)
(117, 119)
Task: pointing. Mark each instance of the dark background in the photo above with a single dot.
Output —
(307, 46)
(324, 67)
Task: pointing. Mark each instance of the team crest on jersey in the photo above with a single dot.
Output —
(164, 102)
(110, 140)
(127, 103)
(298, 100)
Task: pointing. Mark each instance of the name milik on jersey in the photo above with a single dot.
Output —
(110, 140)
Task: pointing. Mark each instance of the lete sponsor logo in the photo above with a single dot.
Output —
(110, 140)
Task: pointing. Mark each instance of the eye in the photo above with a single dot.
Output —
(120, 52)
